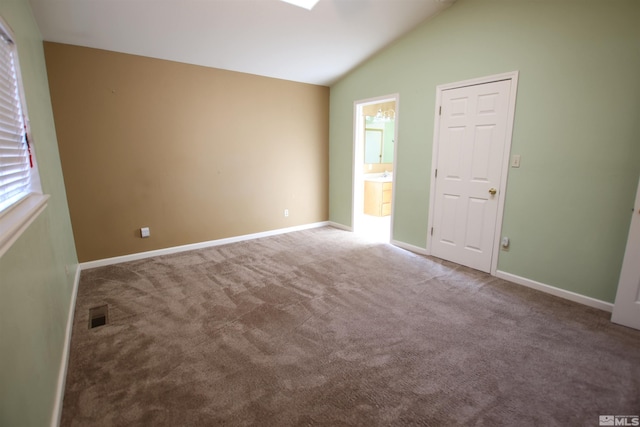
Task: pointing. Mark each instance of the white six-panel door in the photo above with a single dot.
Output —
(471, 145)
(626, 310)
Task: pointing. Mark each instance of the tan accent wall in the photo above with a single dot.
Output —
(194, 153)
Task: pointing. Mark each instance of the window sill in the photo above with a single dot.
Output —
(16, 220)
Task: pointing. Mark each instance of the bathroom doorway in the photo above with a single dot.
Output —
(374, 147)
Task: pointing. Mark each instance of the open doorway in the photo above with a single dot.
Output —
(375, 136)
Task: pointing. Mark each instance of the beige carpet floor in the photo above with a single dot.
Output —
(322, 327)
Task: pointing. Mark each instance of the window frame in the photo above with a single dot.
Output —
(16, 218)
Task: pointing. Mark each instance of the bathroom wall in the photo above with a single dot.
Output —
(388, 128)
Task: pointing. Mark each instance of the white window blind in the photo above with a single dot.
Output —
(21, 198)
(15, 158)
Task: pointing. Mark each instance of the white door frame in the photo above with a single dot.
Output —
(357, 194)
(513, 76)
(626, 310)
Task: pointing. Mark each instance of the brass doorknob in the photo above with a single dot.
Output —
(493, 191)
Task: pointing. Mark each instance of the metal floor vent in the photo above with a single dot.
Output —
(98, 316)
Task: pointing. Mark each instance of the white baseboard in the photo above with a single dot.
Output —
(562, 293)
(176, 249)
(407, 246)
(571, 296)
(64, 362)
(340, 226)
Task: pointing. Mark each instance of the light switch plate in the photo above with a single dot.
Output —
(515, 161)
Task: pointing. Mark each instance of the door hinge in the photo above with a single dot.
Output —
(436, 173)
(440, 111)
(432, 231)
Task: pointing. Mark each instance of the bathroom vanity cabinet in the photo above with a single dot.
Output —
(377, 198)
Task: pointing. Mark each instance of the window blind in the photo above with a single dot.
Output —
(15, 162)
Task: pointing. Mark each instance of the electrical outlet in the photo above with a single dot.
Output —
(145, 232)
(286, 212)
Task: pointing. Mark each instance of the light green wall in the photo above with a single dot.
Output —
(576, 127)
(35, 291)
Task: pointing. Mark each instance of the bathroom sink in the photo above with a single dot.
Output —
(378, 177)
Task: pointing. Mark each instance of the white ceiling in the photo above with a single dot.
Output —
(264, 37)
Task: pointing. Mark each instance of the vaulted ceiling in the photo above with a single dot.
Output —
(264, 37)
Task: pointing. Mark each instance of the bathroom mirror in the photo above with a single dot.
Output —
(373, 145)
(378, 140)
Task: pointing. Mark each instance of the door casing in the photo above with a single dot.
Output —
(626, 310)
(513, 76)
